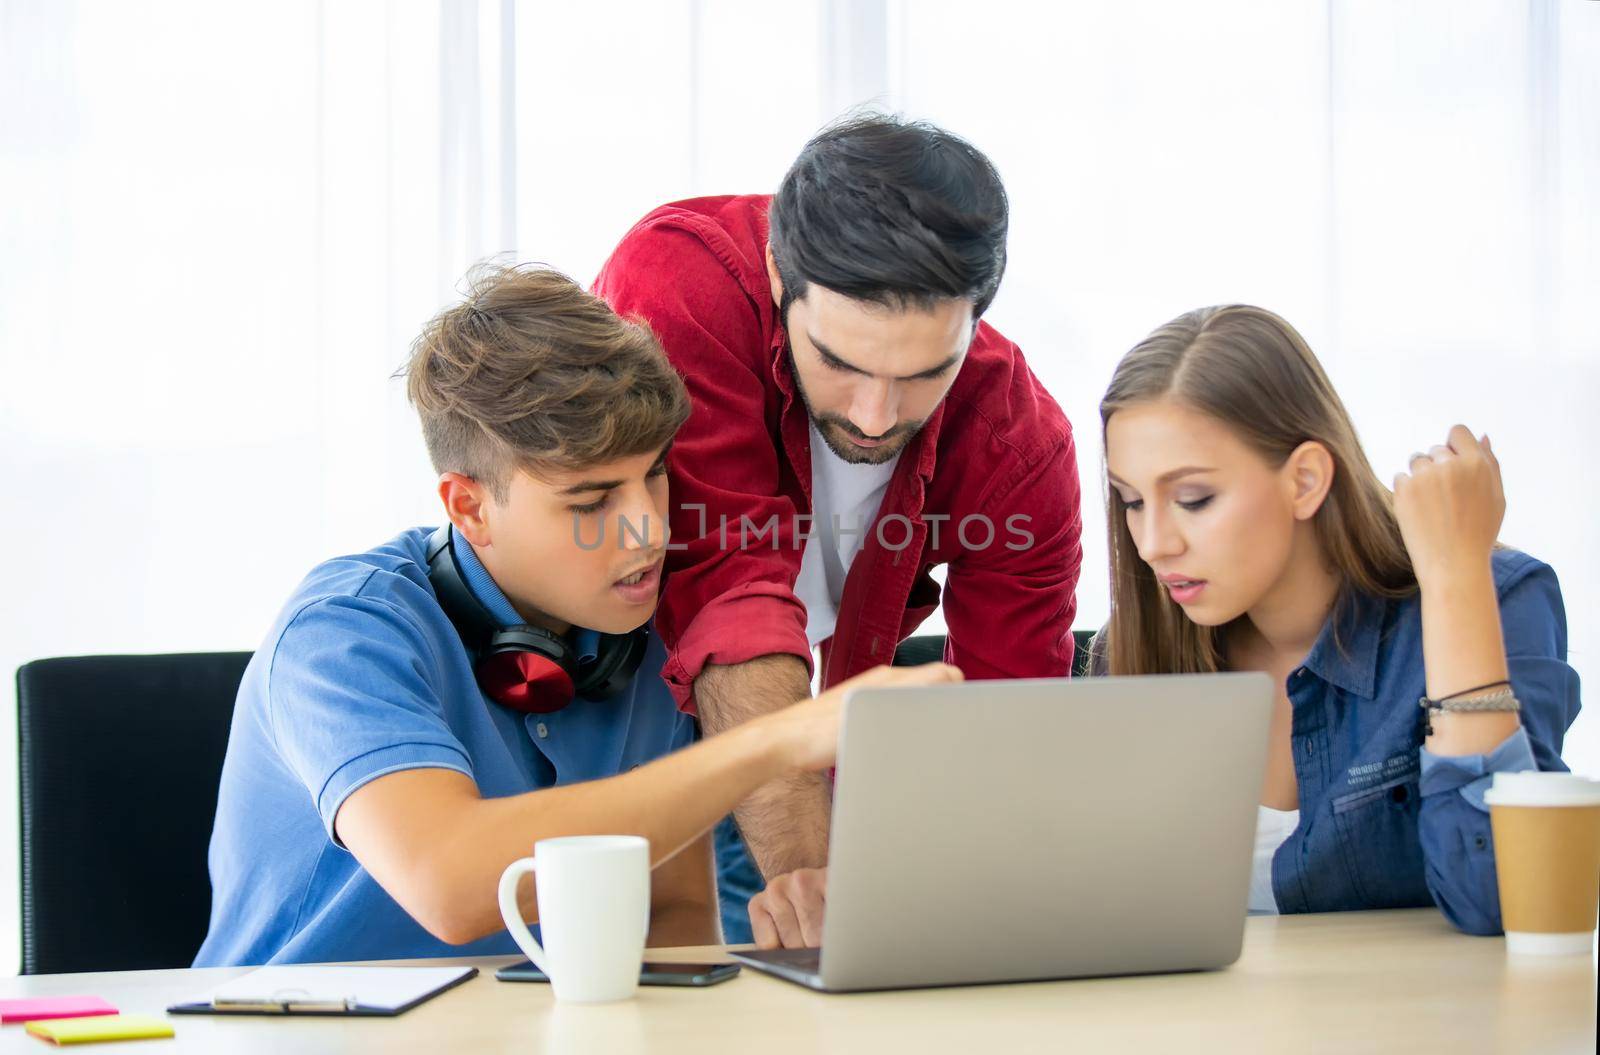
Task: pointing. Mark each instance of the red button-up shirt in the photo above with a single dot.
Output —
(998, 446)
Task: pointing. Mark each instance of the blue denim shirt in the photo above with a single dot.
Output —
(1385, 823)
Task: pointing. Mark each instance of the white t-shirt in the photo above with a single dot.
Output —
(844, 505)
(1273, 827)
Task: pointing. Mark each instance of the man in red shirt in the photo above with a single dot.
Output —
(854, 426)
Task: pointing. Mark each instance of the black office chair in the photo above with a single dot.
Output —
(119, 758)
(929, 648)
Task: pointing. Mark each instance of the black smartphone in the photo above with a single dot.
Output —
(699, 974)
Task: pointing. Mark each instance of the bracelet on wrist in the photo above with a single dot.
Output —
(1502, 699)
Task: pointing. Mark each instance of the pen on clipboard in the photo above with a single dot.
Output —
(282, 1004)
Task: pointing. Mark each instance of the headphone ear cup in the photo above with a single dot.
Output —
(525, 681)
(527, 669)
(613, 669)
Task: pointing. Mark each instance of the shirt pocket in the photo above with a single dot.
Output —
(1398, 792)
(1378, 826)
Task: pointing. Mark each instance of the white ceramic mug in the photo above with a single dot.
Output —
(594, 912)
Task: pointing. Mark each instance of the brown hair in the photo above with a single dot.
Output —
(1250, 370)
(532, 372)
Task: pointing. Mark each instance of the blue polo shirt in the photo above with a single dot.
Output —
(363, 675)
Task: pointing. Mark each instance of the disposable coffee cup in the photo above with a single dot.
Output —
(1547, 855)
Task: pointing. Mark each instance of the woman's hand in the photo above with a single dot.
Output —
(1450, 506)
(809, 730)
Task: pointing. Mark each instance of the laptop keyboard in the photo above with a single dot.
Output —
(805, 959)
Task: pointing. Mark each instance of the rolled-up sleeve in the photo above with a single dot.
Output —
(1457, 843)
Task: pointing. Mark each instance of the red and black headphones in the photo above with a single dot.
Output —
(527, 668)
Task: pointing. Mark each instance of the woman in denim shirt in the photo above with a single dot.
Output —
(1249, 532)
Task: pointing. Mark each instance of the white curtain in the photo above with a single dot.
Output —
(223, 224)
(222, 227)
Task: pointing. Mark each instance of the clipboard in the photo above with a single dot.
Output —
(382, 992)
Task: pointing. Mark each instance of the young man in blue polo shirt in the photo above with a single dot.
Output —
(421, 714)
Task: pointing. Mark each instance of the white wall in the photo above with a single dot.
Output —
(221, 232)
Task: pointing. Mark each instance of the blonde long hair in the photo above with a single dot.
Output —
(1249, 369)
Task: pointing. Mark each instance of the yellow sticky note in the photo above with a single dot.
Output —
(100, 1027)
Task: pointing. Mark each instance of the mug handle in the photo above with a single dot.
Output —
(511, 912)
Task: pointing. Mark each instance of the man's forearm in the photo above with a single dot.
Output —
(678, 923)
(683, 898)
(443, 865)
(670, 802)
(784, 822)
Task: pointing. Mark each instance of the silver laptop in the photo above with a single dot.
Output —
(1005, 831)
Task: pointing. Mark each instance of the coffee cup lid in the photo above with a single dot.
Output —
(1534, 788)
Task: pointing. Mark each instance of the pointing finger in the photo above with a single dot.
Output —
(762, 928)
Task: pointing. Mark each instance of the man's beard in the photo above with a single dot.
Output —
(894, 441)
(831, 426)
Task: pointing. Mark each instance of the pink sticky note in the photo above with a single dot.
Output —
(36, 1009)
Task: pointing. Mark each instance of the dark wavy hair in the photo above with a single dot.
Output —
(895, 212)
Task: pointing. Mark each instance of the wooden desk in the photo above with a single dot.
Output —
(1346, 983)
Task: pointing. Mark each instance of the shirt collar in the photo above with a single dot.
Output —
(928, 440)
(1346, 652)
(585, 642)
